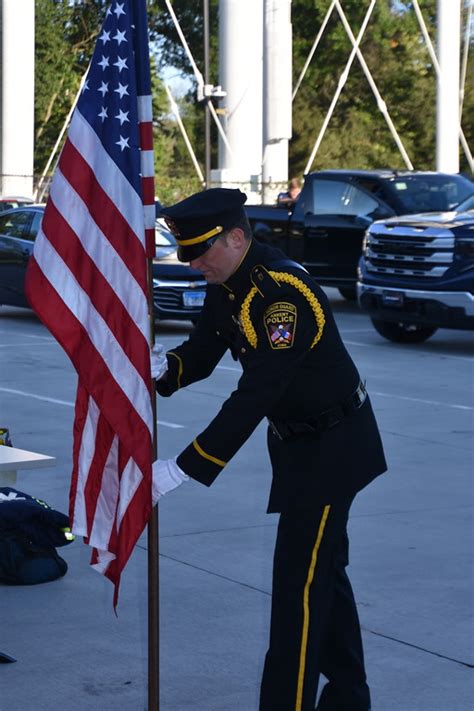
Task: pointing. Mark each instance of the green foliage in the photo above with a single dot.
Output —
(357, 135)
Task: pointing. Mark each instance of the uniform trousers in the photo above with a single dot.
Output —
(314, 622)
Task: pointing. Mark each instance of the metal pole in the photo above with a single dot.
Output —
(207, 140)
(447, 113)
(153, 550)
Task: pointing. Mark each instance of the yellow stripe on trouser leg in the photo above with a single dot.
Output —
(304, 637)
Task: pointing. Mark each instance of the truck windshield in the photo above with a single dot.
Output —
(430, 193)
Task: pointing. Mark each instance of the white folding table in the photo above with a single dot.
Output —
(13, 459)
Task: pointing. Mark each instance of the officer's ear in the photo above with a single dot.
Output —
(236, 238)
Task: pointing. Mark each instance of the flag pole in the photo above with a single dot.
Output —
(145, 113)
(153, 548)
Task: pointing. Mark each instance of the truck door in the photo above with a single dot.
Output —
(336, 215)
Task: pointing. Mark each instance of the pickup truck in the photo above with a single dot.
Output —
(324, 228)
(416, 274)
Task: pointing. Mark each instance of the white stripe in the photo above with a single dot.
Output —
(79, 303)
(100, 250)
(150, 216)
(86, 453)
(145, 109)
(129, 482)
(107, 173)
(147, 164)
(104, 517)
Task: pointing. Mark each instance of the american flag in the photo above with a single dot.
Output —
(87, 281)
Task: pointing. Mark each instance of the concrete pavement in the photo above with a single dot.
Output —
(411, 543)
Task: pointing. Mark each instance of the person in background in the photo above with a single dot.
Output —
(323, 440)
(289, 197)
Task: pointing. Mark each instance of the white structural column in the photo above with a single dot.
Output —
(277, 97)
(17, 96)
(447, 113)
(241, 76)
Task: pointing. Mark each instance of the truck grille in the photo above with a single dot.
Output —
(409, 250)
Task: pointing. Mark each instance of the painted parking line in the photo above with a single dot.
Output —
(422, 401)
(55, 401)
(419, 351)
(28, 345)
(390, 395)
(28, 335)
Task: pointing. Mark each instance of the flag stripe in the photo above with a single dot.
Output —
(133, 424)
(98, 260)
(82, 185)
(106, 172)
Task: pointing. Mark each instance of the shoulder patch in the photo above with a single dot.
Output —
(280, 323)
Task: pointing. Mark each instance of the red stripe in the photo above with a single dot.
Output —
(104, 212)
(146, 135)
(95, 376)
(150, 243)
(148, 191)
(101, 294)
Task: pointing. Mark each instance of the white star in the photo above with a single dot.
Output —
(104, 62)
(123, 143)
(119, 37)
(104, 88)
(122, 89)
(121, 63)
(119, 10)
(109, 12)
(86, 85)
(103, 114)
(105, 37)
(122, 116)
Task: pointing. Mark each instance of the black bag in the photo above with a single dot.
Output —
(30, 530)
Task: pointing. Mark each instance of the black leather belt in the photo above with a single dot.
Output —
(322, 422)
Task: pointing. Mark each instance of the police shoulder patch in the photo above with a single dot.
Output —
(280, 323)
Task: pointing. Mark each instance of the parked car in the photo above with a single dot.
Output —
(416, 274)
(178, 290)
(325, 227)
(9, 201)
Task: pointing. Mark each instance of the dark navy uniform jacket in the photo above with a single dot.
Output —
(277, 322)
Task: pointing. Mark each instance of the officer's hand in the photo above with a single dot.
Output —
(158, 361)
(166, 477)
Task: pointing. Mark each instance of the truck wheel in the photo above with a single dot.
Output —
(403, 332)
(349, 293)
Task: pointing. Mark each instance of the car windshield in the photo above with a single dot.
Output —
(165, 241)
(466, 205)
(431, 193)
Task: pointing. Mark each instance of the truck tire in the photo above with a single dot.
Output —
(348, 292)
(403, 332)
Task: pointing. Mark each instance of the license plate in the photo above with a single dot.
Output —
(393, 298)
(193, 298)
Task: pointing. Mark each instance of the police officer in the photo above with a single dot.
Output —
(323, 440)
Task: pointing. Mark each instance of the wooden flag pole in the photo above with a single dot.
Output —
(153, 548)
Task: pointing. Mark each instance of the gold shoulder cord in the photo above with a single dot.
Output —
(247, 325)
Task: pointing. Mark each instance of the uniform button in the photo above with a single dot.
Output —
(218, 333)
(242, 350)
(231, 297)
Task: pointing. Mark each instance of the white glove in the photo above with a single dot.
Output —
(166, 477)
(158, 361)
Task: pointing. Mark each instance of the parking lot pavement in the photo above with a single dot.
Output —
(411, 542)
